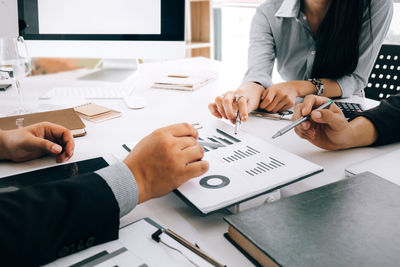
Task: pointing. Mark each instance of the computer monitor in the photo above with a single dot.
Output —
(117, 29)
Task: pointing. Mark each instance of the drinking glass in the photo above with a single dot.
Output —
(15, 59)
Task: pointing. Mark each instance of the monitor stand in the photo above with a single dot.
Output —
(113, 70)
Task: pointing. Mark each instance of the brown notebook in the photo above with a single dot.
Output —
(64, 117)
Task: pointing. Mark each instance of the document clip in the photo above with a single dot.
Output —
(194, 248)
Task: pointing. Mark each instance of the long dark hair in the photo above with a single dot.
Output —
(338, 38)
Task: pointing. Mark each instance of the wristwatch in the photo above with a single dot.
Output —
(319, 86)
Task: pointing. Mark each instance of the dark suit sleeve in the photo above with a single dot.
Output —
(386, 118)
(40, 223)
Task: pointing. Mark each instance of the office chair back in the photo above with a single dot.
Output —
(385, 75)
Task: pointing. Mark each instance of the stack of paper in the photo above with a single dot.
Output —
(188, 81)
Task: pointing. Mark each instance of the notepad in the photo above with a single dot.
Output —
(96, 113)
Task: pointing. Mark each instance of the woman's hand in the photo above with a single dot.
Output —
(282, 96)
(225, 106)
(36, 141)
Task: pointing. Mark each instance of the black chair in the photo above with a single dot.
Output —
(385, 75)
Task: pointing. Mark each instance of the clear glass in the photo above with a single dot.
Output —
(15, 64)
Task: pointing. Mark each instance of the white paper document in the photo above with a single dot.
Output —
(245, 167)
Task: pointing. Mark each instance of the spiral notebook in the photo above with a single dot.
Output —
(96, 113)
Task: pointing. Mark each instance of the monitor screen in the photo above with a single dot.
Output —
(101, 21)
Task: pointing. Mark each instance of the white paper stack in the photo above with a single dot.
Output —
(187, 81)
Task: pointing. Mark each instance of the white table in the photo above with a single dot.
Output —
(166, 107)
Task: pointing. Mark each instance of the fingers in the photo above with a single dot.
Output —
(197, 168)
(242, 108)
(193, 153)
(46, 146)
(227, 103)
(182, 129)
(286, 107)
(326, 116)
(225, 106)
(280, 106)
(305, 134)
(269, 96)
(297, 111)
(274, 103)
(310, 102)
(185, 142)
(220, 107)
(214, 110)
(63, 137)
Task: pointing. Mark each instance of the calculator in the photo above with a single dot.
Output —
(349, 109)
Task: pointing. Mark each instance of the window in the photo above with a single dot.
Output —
(394, 31)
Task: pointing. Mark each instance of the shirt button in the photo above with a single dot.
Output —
(304, 17)
(313, 52)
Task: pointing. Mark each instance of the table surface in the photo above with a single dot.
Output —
(167, 107)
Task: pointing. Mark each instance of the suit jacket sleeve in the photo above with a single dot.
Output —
(42, 222)
(386, 118)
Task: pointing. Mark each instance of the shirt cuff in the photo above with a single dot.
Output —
(350, 86)
(266, 82)
(123, 184)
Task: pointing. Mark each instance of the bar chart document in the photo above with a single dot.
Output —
(245, 167)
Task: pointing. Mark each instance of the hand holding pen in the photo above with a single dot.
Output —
(238, 120)
(327, 128)
(226, 107)
(301, 120)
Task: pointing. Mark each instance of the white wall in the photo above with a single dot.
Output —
(8, 17)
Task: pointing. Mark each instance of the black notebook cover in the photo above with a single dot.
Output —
(353, 222)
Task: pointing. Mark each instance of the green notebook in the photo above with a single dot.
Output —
(353, 222)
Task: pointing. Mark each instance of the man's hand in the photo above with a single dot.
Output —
(329, 129)
(166, 159)
(36, 141)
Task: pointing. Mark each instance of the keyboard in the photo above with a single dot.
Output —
(349, 109)
(89, 92)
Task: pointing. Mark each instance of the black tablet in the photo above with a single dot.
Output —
(59, 172)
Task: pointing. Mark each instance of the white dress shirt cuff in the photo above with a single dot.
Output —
(123, 184)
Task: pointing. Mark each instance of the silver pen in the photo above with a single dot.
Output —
(299, 121)
(237, 123)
